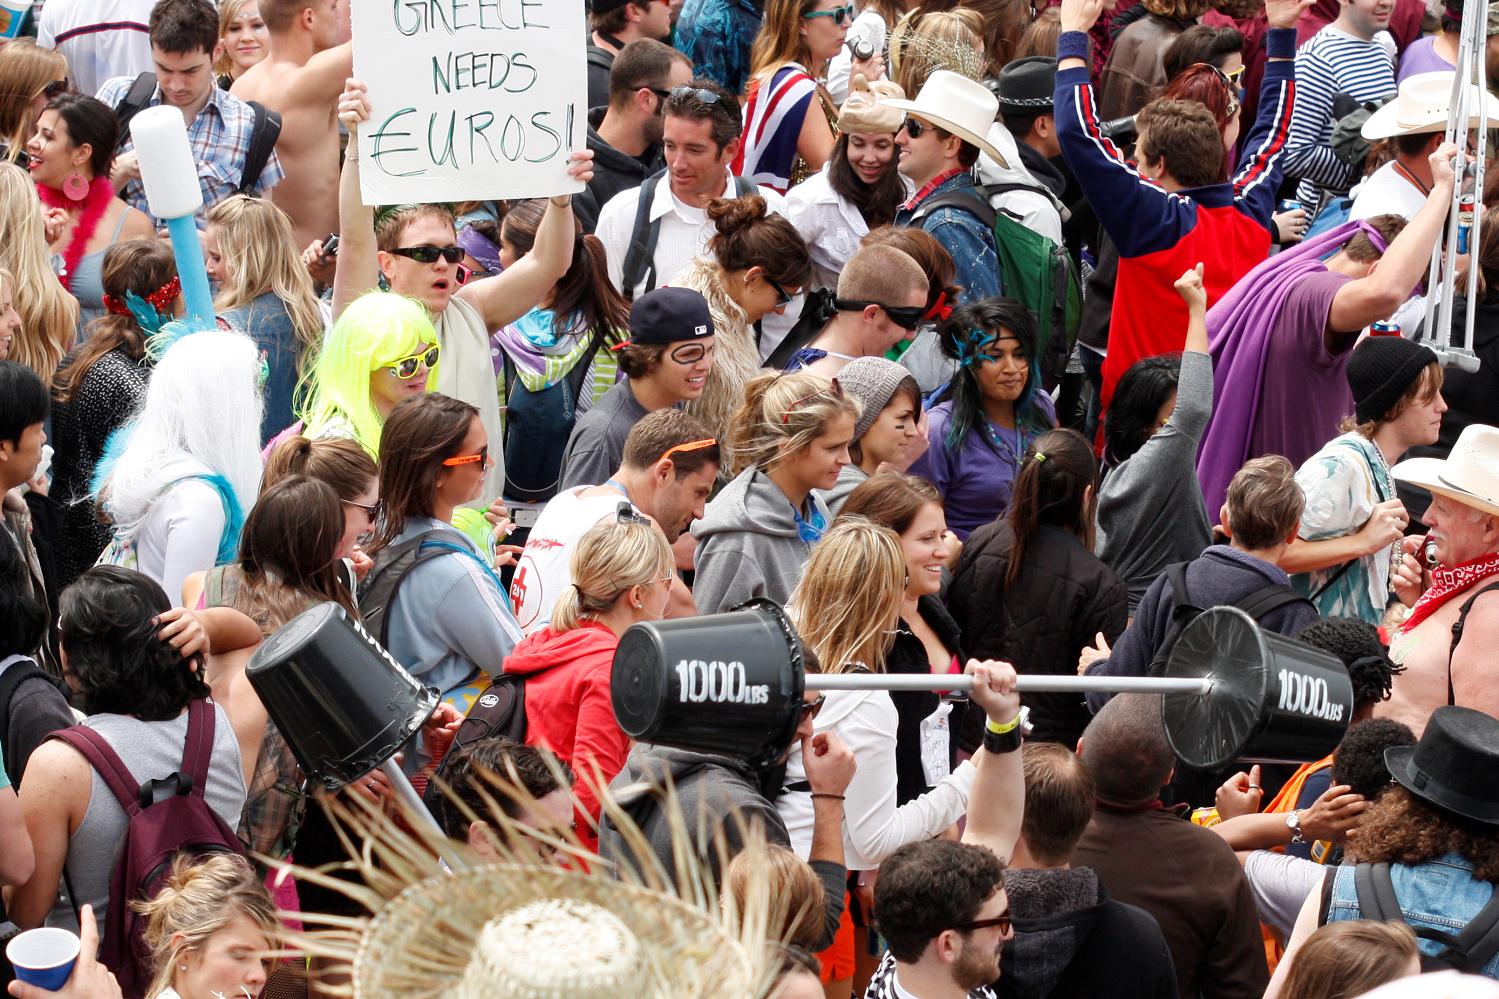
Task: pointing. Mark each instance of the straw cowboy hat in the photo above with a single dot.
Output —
(1469, 475)
(515, 930)
(1422, 105)
(958, 105)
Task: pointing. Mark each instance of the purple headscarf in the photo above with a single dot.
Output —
(1239, 328)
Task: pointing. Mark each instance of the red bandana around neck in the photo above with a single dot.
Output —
(1445, 582)
(100, 193)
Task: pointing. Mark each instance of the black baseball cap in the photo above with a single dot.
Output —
(669, 315)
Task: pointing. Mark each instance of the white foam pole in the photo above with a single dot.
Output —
(170, 175)
(1028, 683)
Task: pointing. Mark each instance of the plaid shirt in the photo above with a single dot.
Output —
(220, 140)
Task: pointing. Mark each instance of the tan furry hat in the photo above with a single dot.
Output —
(865, 109)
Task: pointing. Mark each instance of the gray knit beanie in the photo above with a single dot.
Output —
(873, 381)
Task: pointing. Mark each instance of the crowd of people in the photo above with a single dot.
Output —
(959, 336)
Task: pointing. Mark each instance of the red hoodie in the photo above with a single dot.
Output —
(569, 708)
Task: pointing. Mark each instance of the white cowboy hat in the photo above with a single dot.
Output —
(958, 105)
(1422, 106)
(1470, 475)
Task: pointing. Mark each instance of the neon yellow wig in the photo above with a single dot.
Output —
(375, 331)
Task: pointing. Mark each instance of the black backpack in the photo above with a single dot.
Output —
(499, 712)
(640, 259)
(1466, 951)
(538, 426)
(1257, 604)
(263, 135)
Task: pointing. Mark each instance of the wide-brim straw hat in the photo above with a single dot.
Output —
(581, 936)
(958, 105)
(1423, 104)
(1469, 474)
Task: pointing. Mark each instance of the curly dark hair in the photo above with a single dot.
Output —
(109, 636)
(483, 768)
(931, 886)
(1357, 644)
(1402, 829)
(1359, 759)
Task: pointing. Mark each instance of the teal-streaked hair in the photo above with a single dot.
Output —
(1000, 318)
(376, 330)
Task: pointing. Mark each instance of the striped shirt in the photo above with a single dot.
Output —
(1333, 62)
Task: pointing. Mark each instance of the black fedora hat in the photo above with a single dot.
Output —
(1027, 85)
(1455, 766)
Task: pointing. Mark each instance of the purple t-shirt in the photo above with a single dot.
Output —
(1305, 392)
(1421, 57)
(977, 480)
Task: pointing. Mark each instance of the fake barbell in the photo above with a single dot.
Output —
(733, 684)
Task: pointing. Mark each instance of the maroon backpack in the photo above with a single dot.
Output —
(159, 828)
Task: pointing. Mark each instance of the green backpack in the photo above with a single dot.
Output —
(1036, 271)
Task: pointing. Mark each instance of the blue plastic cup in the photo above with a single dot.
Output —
(43, 957)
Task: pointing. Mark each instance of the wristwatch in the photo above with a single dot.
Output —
(1293, 823)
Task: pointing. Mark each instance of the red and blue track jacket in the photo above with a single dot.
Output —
(1161, 235)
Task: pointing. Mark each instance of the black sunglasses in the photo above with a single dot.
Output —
(55, 89)
(698, 94)
(907, 317)
(370, 509)
(916, 129)
(1003, 921)
(784, 296)
(810, 709)
(429, 254)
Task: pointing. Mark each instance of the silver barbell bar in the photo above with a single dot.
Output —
(1027, 684)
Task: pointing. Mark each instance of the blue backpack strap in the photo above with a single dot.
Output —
(468, 553)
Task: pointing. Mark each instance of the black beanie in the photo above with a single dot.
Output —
(1380, 371)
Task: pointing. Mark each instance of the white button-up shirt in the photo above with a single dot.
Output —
(830, 224)
(685, 230)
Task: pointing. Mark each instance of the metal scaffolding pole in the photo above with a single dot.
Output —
(1466, 126)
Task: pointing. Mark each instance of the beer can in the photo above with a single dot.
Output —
(1289, 205)
(1384, 328)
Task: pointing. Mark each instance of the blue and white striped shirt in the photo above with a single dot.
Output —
(1332, 62)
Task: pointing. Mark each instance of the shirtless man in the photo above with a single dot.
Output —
(311, 57)
(1440, 667)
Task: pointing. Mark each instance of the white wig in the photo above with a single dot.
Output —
(201, 417)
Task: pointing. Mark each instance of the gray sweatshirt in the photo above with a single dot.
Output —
(748, 544)
(1150, 508)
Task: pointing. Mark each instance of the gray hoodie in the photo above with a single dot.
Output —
(748, 544)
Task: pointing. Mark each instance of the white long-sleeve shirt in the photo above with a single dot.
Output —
(873, 827)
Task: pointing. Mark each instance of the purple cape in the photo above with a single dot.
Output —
(1239, 328)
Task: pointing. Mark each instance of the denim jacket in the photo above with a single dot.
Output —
(266, 321)
(966, 239)
(1441, 894)
(717, 35)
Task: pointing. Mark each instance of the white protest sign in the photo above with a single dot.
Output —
(469, 99)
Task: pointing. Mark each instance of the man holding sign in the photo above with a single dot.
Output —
(418, 257)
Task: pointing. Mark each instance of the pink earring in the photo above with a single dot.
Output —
(75, 187)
